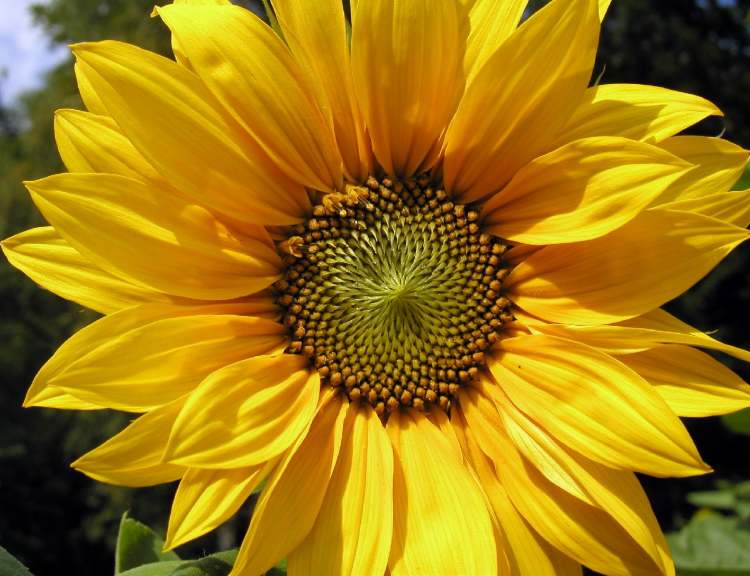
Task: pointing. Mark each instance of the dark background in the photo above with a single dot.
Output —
(51, 516)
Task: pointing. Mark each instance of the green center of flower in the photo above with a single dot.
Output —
(394, 294)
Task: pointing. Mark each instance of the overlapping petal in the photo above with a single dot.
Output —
(291, 501)
(691, 382)
(441, 522)
(134, 456)
(352, 534)
(520, 97)
(45, 393)
(207, 498)
(245, 413)
(731, 207)
(317, 36)
(641, 333)
(578, 394)
(581, 191)
(254, 76)
(147, 234)
(55, 265)
(630, 271)
(718, 165)
(581, 531)
(200, 152)
(491, 23)
(635, 111)
(406, 58)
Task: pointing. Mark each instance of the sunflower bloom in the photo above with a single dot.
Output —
(408, 279)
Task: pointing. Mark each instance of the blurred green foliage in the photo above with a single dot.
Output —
(49, 512)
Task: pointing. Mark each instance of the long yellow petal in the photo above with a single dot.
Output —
(139, 369)
(147, 234)
(55, 265)
(133, 457)
(519, 99)
(207, 498)
(44, 393)
(316, 35)
(406, 64)
(91, 99)
(170, 117)
(527, 552)
(246, 413)
(491, 23)
(641, 333)
(635, 111)
(579, 395)
(615, 492)
(251, 72)
(352, 534)
(581, 191)
(441, 521)
(731, 207)
(91, 143)
(179, 52)
(583, 532)
(718, 165)
(634, 269)
(691, 382)
(290, 502)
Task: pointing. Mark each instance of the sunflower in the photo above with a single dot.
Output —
(404, 279)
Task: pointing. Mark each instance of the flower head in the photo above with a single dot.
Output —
(412, 280)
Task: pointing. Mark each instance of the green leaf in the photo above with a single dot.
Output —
(739, 421)
(712, 545)
(219, 564)
(9, 566)
(137, 544)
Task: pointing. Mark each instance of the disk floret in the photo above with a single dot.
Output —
(394, 293)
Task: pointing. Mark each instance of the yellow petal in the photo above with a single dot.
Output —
(641, 333)
(581, 191)
(520, 98)
(615, 492)
(634, 269)
(91, 143)
(352, 535)
(594, 404)
(170, 117)
(316, 35)
(146, 234)
(246, 413)
(179, 51)
(691, 382)
(731, 207)
(91, 99)
(718, 166)
(206, 499)
(581, 531)
(44, 393)
(406, 62)
(290, 502)
(141, 368)
(251, 72)
(55, 265)
(441, 521)
(133, 457)
(491, 23)
(635, 111)
(527, 552)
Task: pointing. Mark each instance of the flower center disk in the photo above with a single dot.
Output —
(394, 294)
